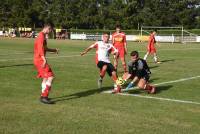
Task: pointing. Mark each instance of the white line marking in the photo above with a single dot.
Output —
(159, 98)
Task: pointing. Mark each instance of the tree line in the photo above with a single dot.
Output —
(100, 14)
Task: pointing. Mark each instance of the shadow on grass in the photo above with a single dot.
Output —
(18, 65)
(80, 94)
(159, 89)
(169, 60)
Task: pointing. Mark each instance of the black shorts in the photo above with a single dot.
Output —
(110, 67)
(143, 75)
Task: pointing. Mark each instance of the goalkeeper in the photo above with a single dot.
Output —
(138, 72)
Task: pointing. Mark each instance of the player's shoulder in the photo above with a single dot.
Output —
(122, 33)
(114, 33)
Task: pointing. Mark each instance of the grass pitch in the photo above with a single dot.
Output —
(81, 108)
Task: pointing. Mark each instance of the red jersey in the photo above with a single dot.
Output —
(119, 39)
(151, 44)
(39, 47)
(152, 41)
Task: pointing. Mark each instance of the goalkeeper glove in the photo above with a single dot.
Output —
(130, 85)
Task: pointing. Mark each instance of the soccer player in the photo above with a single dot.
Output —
(119, 42)
(103, 49)
(138, 73)
(40, 62)
(151, 47)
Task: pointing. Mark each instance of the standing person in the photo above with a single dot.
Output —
(151, 47)
(139, 73)
(40, 62)
(119, 42)
(103, 49)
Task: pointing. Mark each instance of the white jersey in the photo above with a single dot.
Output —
(103, 50)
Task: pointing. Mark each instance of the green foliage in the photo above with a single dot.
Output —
(100, 14)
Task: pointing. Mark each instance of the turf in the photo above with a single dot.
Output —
(81, 107)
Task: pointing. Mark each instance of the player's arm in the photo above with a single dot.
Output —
(44, 61)
(88, 49)
(125, 45)
(114, 51)
(132, 83)
(56, 50)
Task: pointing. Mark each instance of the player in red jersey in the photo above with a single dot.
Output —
(119, 42)
(40, 62)
(103, 49)
(151, 49)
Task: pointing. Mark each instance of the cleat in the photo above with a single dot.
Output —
(158, 62)
(46, 100)
(100, 83)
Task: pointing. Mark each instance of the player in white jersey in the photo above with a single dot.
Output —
(103, 49)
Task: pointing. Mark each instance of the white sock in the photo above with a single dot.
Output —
(145, 57)
(48, 83)
(155, 59)
(43, 85)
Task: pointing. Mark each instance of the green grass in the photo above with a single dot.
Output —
(81, 108)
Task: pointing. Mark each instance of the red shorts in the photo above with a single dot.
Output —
(121, 52)
(43, 72)
(151, 50)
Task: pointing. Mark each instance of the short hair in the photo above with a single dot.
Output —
(47, 25)
(118, 26)
(134, 53)
(106, 33)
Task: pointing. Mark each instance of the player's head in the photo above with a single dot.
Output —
(154, 32)
(118, 28)
(106, 37)
(134, 55)
(47, 28)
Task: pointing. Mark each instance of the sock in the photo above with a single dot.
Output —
(43, 85)
(124, 66)
(45, 93)
(155, 58)
(145, 57)
(114, 78)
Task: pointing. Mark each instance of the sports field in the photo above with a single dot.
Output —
(82, 108)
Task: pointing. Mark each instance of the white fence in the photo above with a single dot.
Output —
(171, 39)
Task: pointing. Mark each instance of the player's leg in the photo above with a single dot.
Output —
(146, 55)
(103, 67)
(43, 85)
(113, 74)
(45, 92)
(116, 57)
(156, 57)
(143, 84)
(122, 57)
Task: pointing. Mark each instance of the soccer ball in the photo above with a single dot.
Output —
(120, 81)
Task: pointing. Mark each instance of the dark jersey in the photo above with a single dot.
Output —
(139, 68)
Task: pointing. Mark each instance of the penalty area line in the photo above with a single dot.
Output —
(160, 98)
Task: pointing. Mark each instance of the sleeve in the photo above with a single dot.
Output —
(130, 70)
(140, 69)
(41, 45)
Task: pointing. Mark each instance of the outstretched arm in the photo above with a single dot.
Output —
(85, 51)
(89, 48)
(56, 50)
